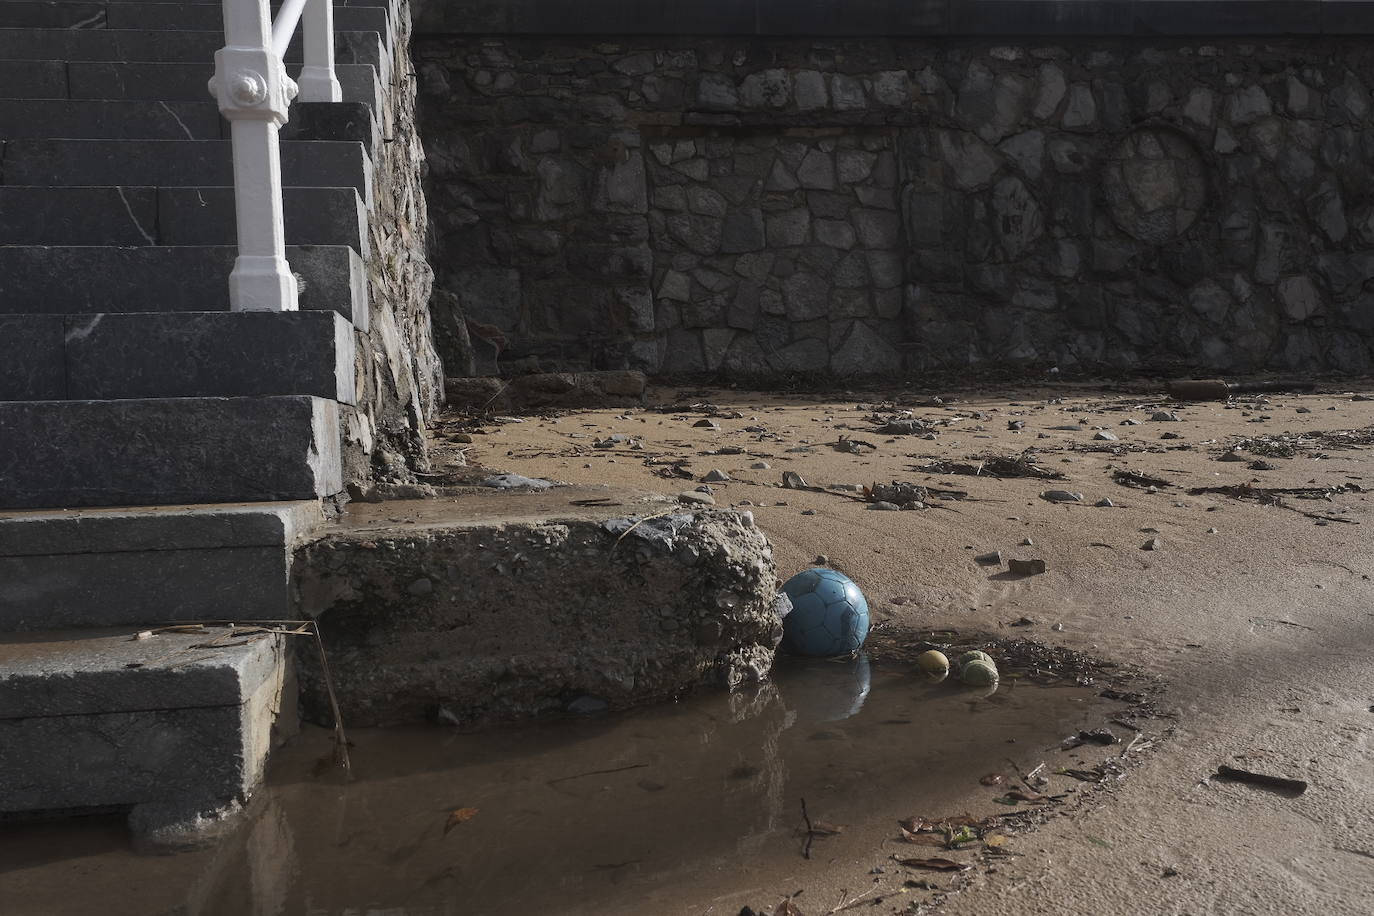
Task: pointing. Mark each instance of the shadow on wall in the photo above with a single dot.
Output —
(868, 206)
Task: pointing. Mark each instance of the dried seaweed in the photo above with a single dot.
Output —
(997, 466)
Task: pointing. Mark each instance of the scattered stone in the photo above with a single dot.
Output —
(1061, 496)
(1164, 416)
(1026, 567)
(1131, 422)
(884, 506)
(695, 498)
(1304, 410)
(1105, 503)
(1213, 531)
(1016, 424)
(793, 481)
(730, 450)
(421, 587)
(1171, 436)
(1233, 455)
(1152, 544)
(1023, 622)
(760, 466)
(1058, 628)
(822, 560)
(706, 424)
(517, 482)
(588, 706)
(808, 512)
(1262, 465)
(1105, 436)
(716, 476)
(989, 559)
(1027, 542)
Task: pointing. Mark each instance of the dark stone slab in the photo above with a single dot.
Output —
(206, 17)
(348, 121)
(1347, 17)
(42, 15)
(1040, 17)
(33, 79)
(156, 528)
(1226, 17)
(31, 358)
(181, 81)
(153, 45)
(177, 163)
(852, 17)
(314, 216)
(78, 216)
(161, 452)
(58, 280)
(139, 588)
(113, 120)
(209, 354)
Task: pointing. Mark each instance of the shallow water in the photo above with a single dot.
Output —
(660, 811)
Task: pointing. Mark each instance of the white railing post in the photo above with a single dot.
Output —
(254, 93)
(317, 80)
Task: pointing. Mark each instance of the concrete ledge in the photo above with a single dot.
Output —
(896, 18)
(83, 729)
(499, 606)
(159, 452)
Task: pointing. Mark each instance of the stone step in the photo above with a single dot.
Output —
(152, 45)
(170, 216)
(85, 119)
(177, 164)
(210, 17)
(35, 14)
(149, 564)
(168, 727)
(184, 82)
(33, 79)
(175, 355)
(40, 279)
(69, 454)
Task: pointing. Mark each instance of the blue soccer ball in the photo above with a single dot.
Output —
(829, 614)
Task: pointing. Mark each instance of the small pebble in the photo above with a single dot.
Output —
(881, 506)
(822, 560)
(706, 424)
(1164, 416)
(1058, 628)
(1105, 436)
(1232, 455)
(1026, 567)
(760, 466)
(717, 476)
(989, 559)
(1104, 503)
(808, 512)
(1152, 544)
(1027, 542)
(700, 499)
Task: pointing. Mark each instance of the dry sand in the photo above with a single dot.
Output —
(1261, 631)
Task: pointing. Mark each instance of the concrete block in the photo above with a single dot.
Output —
(153, 564)
(78, 216)
(209, 354)
(162, 452)
(426, 606)
(22, 119)
(33, 79)
(314, 216)
(102, 721)
(31, 358)
(178, 163)
(49, 279)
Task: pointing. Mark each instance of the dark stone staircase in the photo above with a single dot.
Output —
(161, 455)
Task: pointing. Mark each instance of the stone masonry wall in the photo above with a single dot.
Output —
(400, 377)
(774, 206)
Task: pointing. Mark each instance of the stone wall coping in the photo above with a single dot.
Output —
(896, 18)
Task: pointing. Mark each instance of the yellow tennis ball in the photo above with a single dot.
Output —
(979, 673)
(933, 662)
(975, 656)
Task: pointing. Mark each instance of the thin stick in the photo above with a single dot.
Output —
(1127, 749)
(340, 739)
(810, 831)
(850, 904)
(647, 518)
(633, 766)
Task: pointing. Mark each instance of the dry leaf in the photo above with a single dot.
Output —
(787, 908)
(824, 828)
(914, 824)
(995, 840)
(459, 816)
(922, 839)
(933, 864)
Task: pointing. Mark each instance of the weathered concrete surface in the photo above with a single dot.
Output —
(153, 564)
(550, 389)
(103, 720)
(501, 606)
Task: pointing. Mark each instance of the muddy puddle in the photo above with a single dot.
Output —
(688, 808)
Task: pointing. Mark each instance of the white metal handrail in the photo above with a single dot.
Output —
(254, 94)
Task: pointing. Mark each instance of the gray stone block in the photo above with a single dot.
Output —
(31, 358)
(163, 452)
(332, 121)
(314, 216)
(22, 119)
(167, 46)
(209, 354)
(178, 163)
(36, 79)
(81, 728)
(179, 81)
(207, 17)
(78, 216)
(136, 567)
(49, 279)
(31, 14)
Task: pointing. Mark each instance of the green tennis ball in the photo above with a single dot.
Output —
(975, 656)
(933, 662)
(979, 673)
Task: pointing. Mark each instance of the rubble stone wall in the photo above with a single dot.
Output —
(769, 206)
